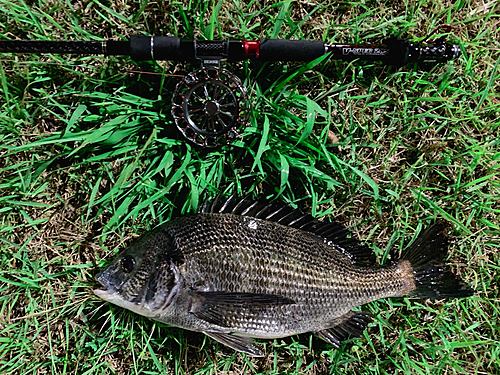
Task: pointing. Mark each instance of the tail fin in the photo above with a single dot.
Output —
(432, 278)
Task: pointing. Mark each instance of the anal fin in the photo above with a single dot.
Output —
(347, 326)
(239, 343)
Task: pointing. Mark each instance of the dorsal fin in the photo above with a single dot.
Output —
(334, 233)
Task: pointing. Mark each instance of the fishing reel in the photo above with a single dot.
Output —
(210, 106)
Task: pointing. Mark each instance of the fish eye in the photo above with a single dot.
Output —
(127, 263)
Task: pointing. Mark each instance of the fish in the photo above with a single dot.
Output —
(241, 270)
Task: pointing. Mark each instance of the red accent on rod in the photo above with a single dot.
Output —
(251, 49)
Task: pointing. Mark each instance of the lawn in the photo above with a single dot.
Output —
(90, 159)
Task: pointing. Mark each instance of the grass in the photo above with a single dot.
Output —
(90, 159)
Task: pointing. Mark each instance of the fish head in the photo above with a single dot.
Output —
(143, 277)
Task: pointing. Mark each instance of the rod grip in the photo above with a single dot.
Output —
(155, 48)
(290, 50)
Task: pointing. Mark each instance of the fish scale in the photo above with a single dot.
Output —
(241, 270)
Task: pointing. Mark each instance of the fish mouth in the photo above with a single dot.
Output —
(105, 290)
(107, 295)
(100, 280)
(101, 293)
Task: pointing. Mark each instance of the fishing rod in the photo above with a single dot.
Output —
(210, 105)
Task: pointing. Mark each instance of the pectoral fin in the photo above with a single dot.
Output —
(239, 343)
(232, 309)
(347, 326)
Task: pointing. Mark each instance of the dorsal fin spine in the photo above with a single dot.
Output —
(262, 212)
(274, 213)
(283, 219)
(296, 222)
(248, 209)
(224, 205)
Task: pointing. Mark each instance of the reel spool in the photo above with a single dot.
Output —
(210, 107)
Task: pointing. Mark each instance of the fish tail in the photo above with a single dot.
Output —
(431, 277)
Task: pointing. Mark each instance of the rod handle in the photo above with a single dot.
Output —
(155, 48)
(290, 50)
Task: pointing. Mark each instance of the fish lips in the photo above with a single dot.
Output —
(108, 289)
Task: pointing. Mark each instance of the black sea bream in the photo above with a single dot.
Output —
(240, 270)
